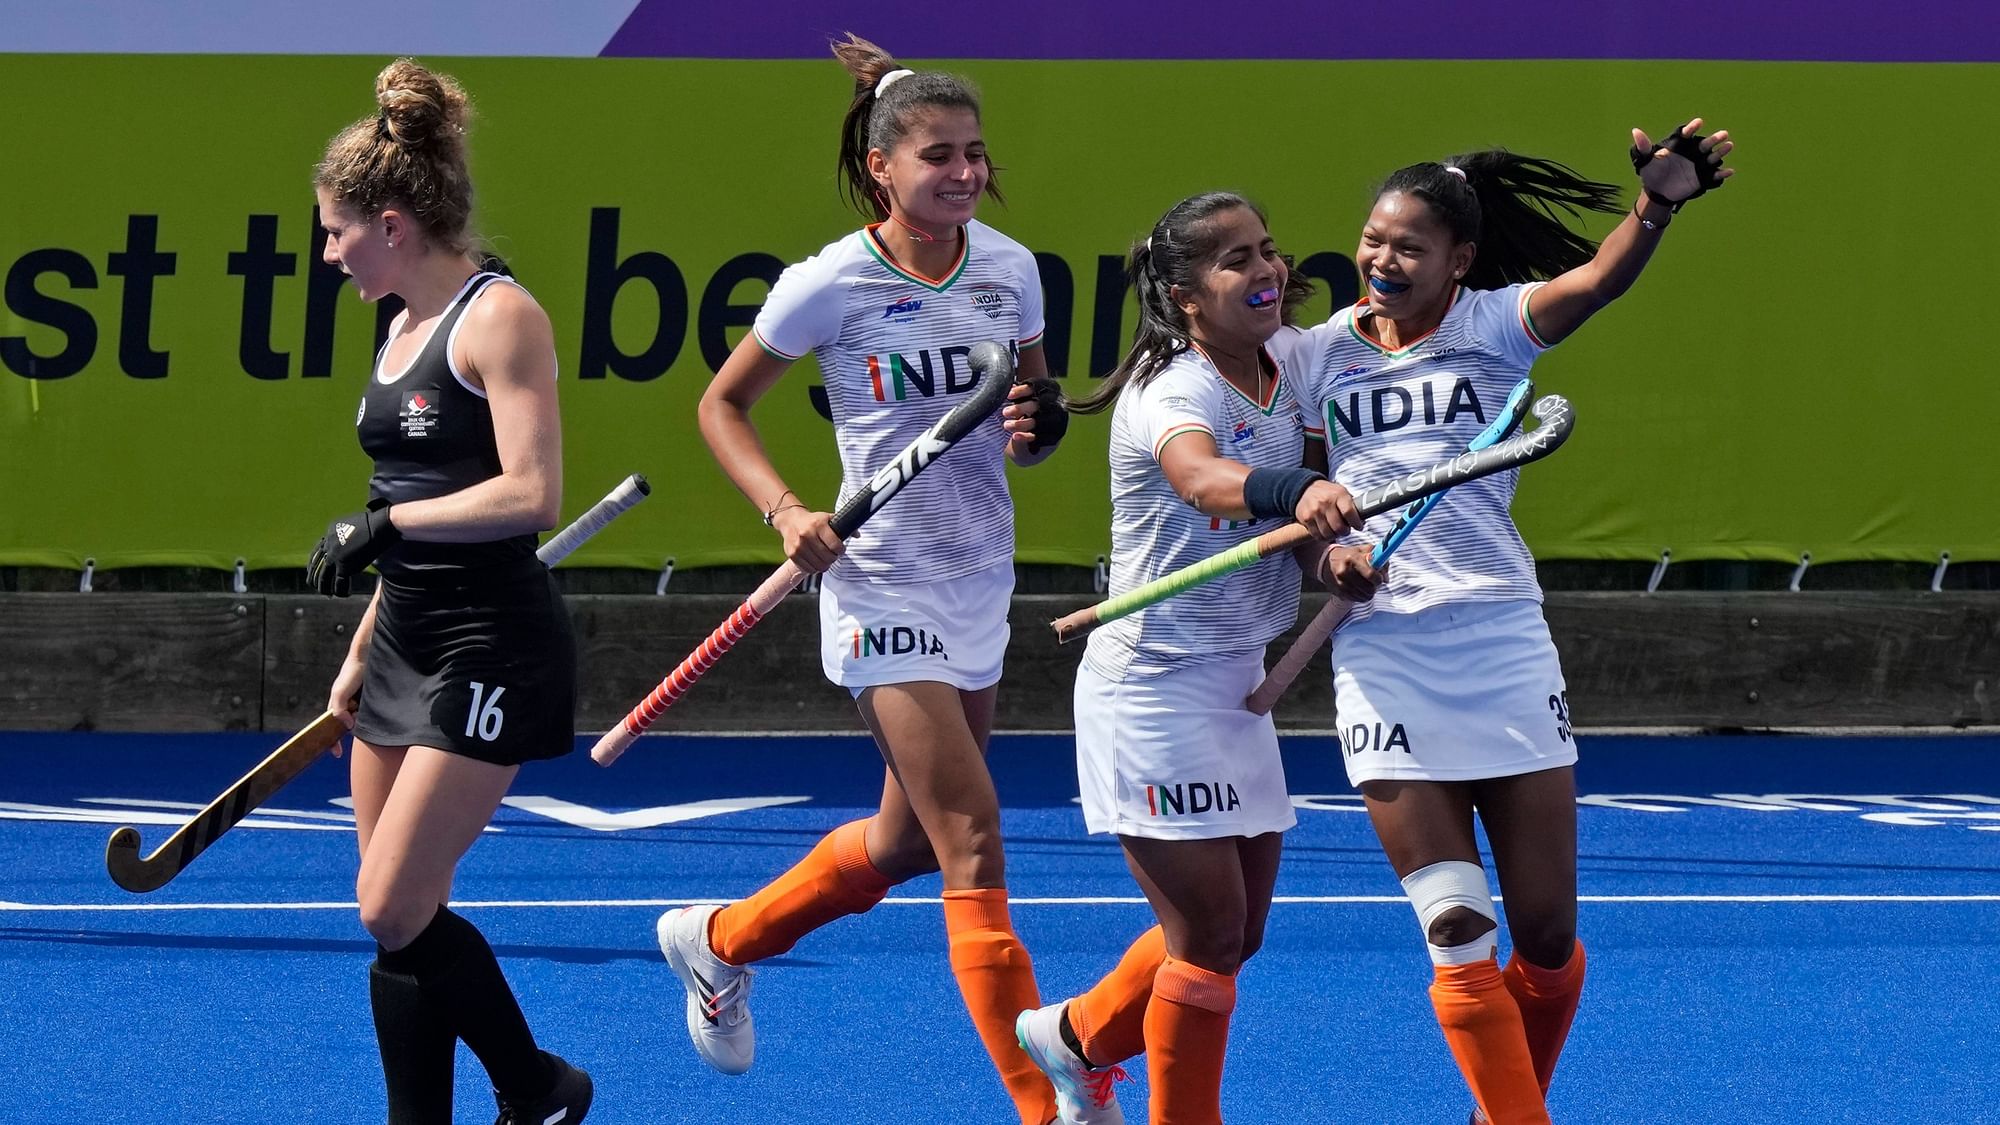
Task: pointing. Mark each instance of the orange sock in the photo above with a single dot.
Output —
(998, 982)
(834, 880)
(1110, 1019)
(1483, 1027)
(1187, 1035)
(1547, 999)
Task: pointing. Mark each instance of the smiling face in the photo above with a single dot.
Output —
(361, 247)
(1408, 259)
(934, 176)
(1237, 295)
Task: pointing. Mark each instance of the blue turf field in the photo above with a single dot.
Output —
(1812, 940)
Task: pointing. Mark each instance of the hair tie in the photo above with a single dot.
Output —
(1455, 170)
(890, 79)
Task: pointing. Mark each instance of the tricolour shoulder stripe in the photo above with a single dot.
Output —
(773, 352)
(1528, 320)
(1176, 431)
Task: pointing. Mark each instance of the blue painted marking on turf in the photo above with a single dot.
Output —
(1705, 1011)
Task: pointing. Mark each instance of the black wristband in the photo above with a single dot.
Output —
(1274, 493)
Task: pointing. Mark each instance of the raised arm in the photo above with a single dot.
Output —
(1681, 167)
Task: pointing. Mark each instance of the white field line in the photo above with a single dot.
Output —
(262, 810)
(1329, 732)
(1085, 900)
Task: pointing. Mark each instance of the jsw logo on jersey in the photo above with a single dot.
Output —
(1391, 408)
(898, 640)
(903, 312)
(1364, 738)
(1243, 432)
(894, 377)
(1187, 798)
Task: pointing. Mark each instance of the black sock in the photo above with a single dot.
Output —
(460, 978)
(417, 1048)
(1070, 1040)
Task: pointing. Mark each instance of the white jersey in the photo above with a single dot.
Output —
(1154, 532)
(1386, 413)
(892, 350)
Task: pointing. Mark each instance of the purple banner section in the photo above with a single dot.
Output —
(1756, 30)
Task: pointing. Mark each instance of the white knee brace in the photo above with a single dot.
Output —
(1441, 886)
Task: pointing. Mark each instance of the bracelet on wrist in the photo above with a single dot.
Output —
(778, 505)
(1323, 570)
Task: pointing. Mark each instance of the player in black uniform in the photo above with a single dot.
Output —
(464, 665)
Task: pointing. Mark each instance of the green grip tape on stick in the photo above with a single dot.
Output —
(1557, 418)
(1240, 557)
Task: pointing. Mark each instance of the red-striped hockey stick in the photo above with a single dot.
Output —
(993, 365)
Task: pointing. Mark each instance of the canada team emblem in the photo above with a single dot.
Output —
(419, 416)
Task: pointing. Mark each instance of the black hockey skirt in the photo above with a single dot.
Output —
(475, 662)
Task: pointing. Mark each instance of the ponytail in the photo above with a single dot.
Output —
(881, 114)
(1514, 207)
(1181, 242)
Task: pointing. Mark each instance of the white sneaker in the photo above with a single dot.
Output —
(718, 1003)
(1083, 1093)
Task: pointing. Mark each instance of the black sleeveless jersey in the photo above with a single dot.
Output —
(431, 434)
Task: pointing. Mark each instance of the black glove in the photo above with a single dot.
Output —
(349, 545)
(1687, 174)
(1051, 419)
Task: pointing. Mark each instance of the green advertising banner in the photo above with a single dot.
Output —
(178, 371)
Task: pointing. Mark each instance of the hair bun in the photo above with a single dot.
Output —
(420, 108)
